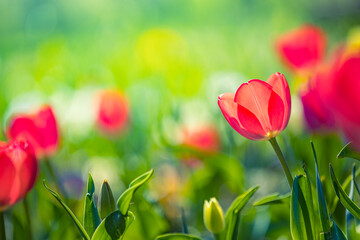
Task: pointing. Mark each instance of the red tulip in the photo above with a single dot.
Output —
(258, 110)
(202, 138)
(40, 129)
(317, 114)
(340, 92)
(302, 48)
(17, 173)
(113, 112)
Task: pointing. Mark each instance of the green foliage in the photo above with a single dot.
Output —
(124, 200)
(71, 214)
(275, 198)
(91, 214)
(233, 213)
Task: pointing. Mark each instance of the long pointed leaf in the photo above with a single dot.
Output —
(234, 211)
(337, 234)
(124, 200)
(343, 197)
(71, 214)
(349, 152)
(91, 214)
(300, 220)
(324, 215)
(273, 199)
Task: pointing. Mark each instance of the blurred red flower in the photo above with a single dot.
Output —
(113, 112)
(302, 48)
(40, 129)
(203, 138)
(317, 113)
(258, 110)
(340, 91)
(17, 173)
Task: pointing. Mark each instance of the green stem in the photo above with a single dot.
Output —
(279, 154)
(27, 216)
(52, 173)
(217, 236)
(2, 226)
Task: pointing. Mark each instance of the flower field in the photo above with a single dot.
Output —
(179, 120)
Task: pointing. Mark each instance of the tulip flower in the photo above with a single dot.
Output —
(17, 173)
(213, 216)
(340, 91)
(260, 111)
(317, 115)
(302, 48)
(40, 129)
(113, 112)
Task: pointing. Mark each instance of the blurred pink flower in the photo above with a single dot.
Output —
(258, 110)
(113, 112)
(40, 129)
(17, 173)
(302, 48)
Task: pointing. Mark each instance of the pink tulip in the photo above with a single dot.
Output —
(17, 173)
(113, 112)
(40, 129)
(302, 48)
(258, 110)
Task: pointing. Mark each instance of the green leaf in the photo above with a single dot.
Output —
(275, 198)
(91, 214)
(300, 216)
(324, 216)
(106, 200)
(233, 213)
(177, 236)
(347, 151)
(350, 220)
(113, 227)
(345, 185)
(71, 214)
(124, 200)
(337, 234)
(343, 197)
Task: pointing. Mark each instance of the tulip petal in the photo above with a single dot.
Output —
(250, 122)
(303, 47)
(229, 109)
(7, 175)
(254, 96)
(46, 123)
(23, 127)
(281, 87)
(276, 112)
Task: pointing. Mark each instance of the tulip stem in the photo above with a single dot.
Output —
(2, 226)
(52, 173)
(280, 155)
(27, 216)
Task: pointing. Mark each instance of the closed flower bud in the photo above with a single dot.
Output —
(106, 200)
(213, 216)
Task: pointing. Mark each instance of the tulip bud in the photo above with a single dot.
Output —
(106, 202)
(213, 216)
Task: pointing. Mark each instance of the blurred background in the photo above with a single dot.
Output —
(170, 60)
